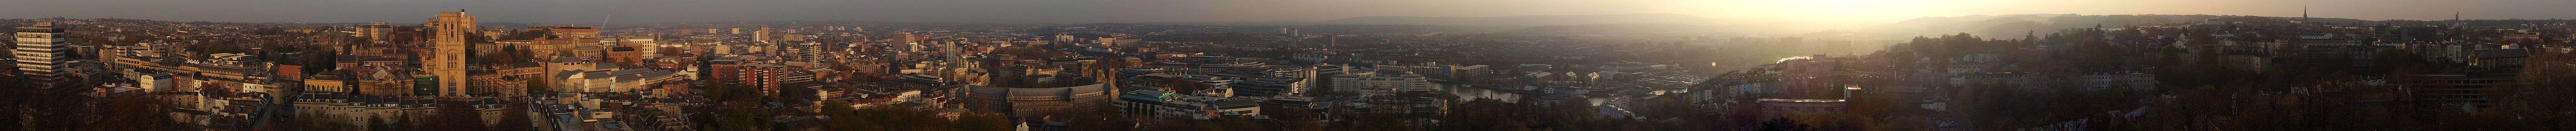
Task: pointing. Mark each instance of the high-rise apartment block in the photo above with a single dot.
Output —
(762, 36)
(41, 53)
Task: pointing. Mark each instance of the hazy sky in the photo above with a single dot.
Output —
(1090, 11)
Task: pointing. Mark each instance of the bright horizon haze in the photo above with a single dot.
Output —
(1110, 11)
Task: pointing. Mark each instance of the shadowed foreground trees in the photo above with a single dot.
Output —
(893, 118)
(135, 113)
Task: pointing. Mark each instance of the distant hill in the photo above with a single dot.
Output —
(2018, 24)
(1531, 20)
(1629, 29)
(1527, 20)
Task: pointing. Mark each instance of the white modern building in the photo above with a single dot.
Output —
(42, 52)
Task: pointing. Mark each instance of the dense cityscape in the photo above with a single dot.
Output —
(2031, 72)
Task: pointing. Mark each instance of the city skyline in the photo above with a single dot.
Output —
(1317, 65)
(996, 11)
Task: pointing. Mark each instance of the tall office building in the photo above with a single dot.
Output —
(910, 44)
(762, 36)
(449, 65)
(810, 52)
(1290, 32)
(378, 32)
(41, 52)
(949, 52)
(905, 37)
